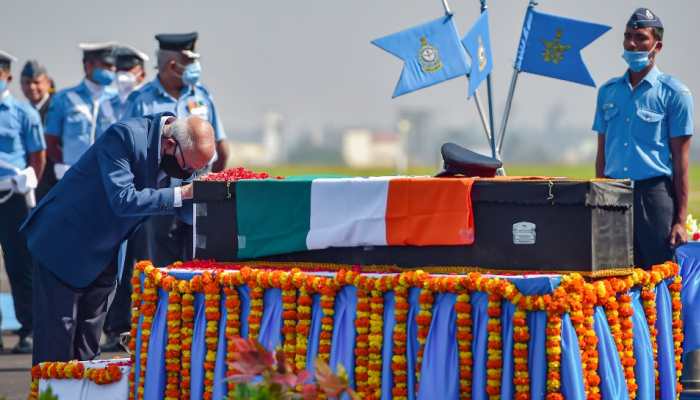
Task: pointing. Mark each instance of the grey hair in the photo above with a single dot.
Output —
(180, 131)
(165, 56)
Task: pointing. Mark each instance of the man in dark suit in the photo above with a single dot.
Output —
(77, 230)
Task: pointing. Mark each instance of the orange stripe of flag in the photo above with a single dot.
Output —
(429, 211)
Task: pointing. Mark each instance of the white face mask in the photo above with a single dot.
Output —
(126, 83)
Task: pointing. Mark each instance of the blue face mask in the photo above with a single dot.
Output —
(3, 86)
(103, 77)
(637, 60)
(191, 74)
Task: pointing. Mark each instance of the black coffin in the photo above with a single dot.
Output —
(520, 224)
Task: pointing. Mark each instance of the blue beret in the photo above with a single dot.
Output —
(32, 69)
(644, 18)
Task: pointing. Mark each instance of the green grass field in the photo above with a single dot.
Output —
(571, 171)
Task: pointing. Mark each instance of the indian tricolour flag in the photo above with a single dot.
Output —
(284, 216)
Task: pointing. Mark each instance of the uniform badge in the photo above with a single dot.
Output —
(428, 57)
(482, 55)
(649, 15)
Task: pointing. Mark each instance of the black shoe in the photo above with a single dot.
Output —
(112, 344)
(24, 346)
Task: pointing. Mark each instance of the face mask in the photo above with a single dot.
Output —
(191, 74)
(169, 165)
(3, 86)
(103, 77)
(637, 60)
(126, 82)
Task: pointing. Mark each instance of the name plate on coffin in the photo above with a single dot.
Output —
(518, 223)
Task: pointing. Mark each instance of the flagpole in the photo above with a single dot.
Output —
(482, 116)
(489, 91)
(509, 101)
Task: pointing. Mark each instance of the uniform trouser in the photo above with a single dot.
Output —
(169, 240)
(68, 320)
(119, 315)
(654, 213)
(48, 180)
(18, 262)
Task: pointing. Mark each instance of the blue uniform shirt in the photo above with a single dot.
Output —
(639, 123)
(194, 100)
(71, 116)
(20, 133)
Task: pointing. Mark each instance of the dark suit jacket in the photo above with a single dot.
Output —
(77, 229)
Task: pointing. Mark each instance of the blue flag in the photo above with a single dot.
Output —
(478, 45)
(551, 46)
(432, 53)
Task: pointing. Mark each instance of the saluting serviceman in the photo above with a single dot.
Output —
(177, 89)
(21, 139)
(80, 114)
(644, 121)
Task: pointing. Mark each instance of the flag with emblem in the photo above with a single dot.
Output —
(478, 45)
(431, 52)
(284, 216)
(551, 46)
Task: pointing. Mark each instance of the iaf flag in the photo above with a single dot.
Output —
(432, 53)
(551, 46)
(478, 45)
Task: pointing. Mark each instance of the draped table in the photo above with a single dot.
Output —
(413, 334)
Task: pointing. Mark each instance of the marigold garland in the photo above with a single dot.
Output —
(425, 316)
(148, 310)
(106, 375)
(303, 328)
(494, 363)
(173, 350)
(376, 326)
(186, 332)
(677, 318)
(398, 360)
(289, 317)
(521, 339)
(136, 298)
(553, 349)
(649, 304)
(464, 342)
(256, 309)
(212, 313)
(328, 289)
(229, 281)
(362, 323)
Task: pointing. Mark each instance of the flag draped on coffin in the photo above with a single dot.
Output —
(284, 216)
(432, 53)
(551, 46)
(478, 45)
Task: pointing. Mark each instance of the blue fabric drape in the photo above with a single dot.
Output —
(440, 367)
(271, 324)
(688, 257)
(155, 363)
(643, 355)
(612, 377)
(664, 341)
(571, 368)
(199, 348)
(412, 340)
(220, 368)
(244, 297)
(480, 319)
(315, 331)
(507, 388)
(343, 342)
(388, 344)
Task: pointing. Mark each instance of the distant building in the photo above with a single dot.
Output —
(363, 148)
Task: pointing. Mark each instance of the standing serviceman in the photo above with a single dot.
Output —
(22, 160)
(79, 115)
(36, 86)
(644, 121)
(177, 89)
(131, 75)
